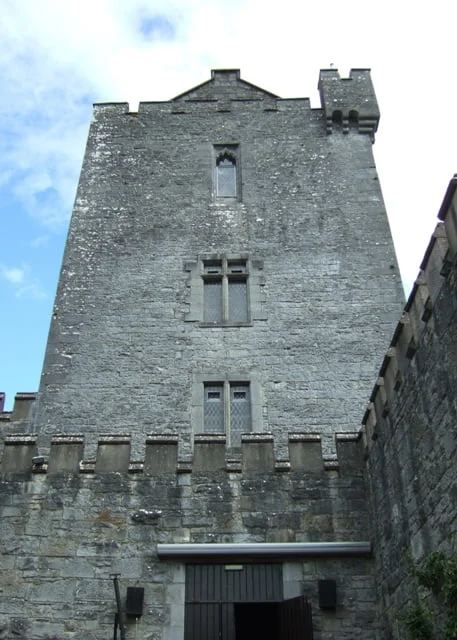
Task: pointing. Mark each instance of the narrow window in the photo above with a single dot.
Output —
(226, 176)
(213, 301)
(226, 160)
(240, 410)
(237, 300)
(213, 414)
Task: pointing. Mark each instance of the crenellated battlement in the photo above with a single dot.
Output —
(67, 454)
(22, 408)
(349, 102)
(436, 271)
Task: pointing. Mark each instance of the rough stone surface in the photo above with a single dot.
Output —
(112, 460)
(411, 468)
(69, 532)
(121, 358)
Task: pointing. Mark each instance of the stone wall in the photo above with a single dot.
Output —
(64, 532)
(122, 355)
(17, 420)
(410, 428)
(112, 461)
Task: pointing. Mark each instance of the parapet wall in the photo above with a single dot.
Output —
(22, 409)
(69, 523)
(433, 287)
(347, 102)
(409, 429)
(69, 454)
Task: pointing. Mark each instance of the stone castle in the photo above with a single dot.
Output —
(199, 461)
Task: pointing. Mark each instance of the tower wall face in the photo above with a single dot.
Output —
(228, 287)
(128, 352)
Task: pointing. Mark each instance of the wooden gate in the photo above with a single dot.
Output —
(242, 602)
(295, 619)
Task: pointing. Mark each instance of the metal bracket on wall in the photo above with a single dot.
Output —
(119, 620)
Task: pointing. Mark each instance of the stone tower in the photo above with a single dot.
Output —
(228, 287)
(224, 243)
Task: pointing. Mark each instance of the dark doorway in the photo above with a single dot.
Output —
(257, 620)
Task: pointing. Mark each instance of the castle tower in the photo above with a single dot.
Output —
(224, 244)
(228, 285)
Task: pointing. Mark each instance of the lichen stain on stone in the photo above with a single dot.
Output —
(106, 517)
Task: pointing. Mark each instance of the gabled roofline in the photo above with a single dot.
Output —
(254, 86)
(213, 75)
(197, 86)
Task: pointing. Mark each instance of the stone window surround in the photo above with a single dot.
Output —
(225, 273)
(255, 293)
(198, 390)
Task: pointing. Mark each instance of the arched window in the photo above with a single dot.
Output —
(226, 176)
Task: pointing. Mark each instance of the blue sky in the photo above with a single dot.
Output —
(57, 58)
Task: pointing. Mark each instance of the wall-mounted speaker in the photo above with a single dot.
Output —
(134, 601)
(327, 594)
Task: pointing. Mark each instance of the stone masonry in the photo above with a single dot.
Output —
(410, 428)
(122, 356)
(112, 461)
(64, 533)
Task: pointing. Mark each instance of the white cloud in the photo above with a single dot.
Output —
(57, 57)
(14, 275)
(32, 290)
(24, 284)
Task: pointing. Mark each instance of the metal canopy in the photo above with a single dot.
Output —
(277, 549)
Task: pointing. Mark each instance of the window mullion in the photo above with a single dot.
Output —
(225, 299)
(227, 412)
(225, 292)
